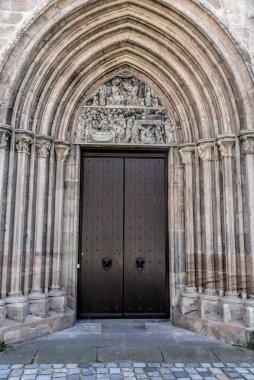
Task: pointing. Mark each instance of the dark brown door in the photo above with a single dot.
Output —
(123, 267)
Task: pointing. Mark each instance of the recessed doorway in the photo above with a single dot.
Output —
(123, 244)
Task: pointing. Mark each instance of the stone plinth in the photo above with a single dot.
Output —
(57, 300)
(230, 309)
(17, 308)
(188, 301)
(39, 304)
(208, 305)
(13, 332)
(248, 312)
(2, 310)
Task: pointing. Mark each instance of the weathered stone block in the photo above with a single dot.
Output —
(17, 308)
(65, 321)
(2, 310)
(188, 302)
(208, 305)
(39, 306)
(230, 309)
(57, 301)
(248, 312)
(25, 333)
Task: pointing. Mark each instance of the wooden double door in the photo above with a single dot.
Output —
(123, 261)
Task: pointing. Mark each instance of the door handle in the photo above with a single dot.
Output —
(107, 262)
(140, 263)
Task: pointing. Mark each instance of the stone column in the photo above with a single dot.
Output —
(208, 302)
(230, 306)
(189, 298)
(247, 147)
(16, 304)
(58, 299)
(5, 133)
(39, 302)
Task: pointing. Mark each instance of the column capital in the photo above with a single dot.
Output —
(247, 141)
(24, 140)
(43, 145)
(62, 150)
(226, 145)
(205, 150)
(186, 153)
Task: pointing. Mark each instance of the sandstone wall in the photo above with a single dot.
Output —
(237, 16)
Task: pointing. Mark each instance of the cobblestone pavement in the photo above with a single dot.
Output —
(128, 371)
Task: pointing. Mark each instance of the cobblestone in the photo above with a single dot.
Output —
(128, 371)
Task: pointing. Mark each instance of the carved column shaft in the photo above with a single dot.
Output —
(205, 153)
(23, 142)
(4, 147)
(43, 146)
(58, 299)
(248, 152)
(186, 155)
(226, 149)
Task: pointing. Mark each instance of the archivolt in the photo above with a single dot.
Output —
(176, 47)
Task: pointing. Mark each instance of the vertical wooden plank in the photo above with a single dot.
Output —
(102, 236)
(145, 222)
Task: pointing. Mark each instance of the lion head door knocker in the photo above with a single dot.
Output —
(140, 262)
(107, 262)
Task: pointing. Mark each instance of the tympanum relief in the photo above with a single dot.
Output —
(125, 110)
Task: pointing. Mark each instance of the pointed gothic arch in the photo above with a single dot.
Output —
(60, 58)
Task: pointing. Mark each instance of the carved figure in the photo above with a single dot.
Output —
(117, 98)
(146, 136)
(102, 96)
(158, 134)
(155, 100)
(169, 131)
(135, 131)
(95, 99)
(148, 100)
(128, 134)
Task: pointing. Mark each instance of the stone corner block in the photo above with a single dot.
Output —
(2, 310)
(58, 303)
(230, 309)
(248, 313)
(208, 305)
(39, 307)
(17, 309)
(188, 302)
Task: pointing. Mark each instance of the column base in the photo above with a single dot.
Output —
(208, 304)
(231, 308)
(188, 301)
(57, 300)
(17, 308)
(39, 304)
(2, 310)
(248, 312)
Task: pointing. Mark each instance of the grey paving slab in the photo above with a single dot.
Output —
(82, 328)
(186, 354)
(150, 340)
(234, 354)
(65, 355)
(15, 355)
(106, 354)
(164, 328)
(127, 328)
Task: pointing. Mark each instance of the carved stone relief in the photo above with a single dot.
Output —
(125, 111)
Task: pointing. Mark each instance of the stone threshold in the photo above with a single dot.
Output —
(235, 333)
(13, 332)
